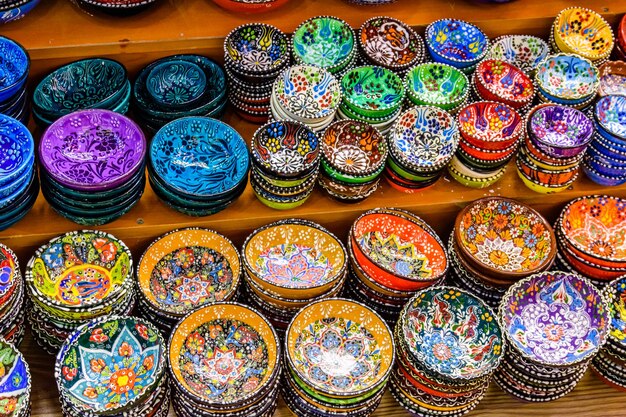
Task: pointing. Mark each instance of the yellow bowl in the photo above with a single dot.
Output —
(584, 32)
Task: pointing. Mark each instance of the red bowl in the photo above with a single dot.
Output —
(621, 34)
(504, 82)
(243, 7)
(490, 125)
(586, 269)
(487, 155)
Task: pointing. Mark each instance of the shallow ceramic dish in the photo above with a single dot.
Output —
(523, 51)
(19, 150)
(610, 113)
(560, 131)
(14, 66)
(502, 81)
(490, 125)
(554, 319)
(92, 150)
(390, 43)
(318, 348)
(324, 41)
(372, 91)
(612, 78)
(294, 258)
(436, 84)
(456, 42)
(15, 385)
(452, 334)
(223, 336)
(584, 32)
(257, 48)
(567, 77)
(176, 83)
(504, 238)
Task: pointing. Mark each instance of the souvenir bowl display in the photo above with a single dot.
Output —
(456, 42)
(560, 131)
(115, 7)
(567, 78)
(16, 10)
(250, 6)
(437, 84)
(16, 383)
(612, 78)
(504, 82)
(12, 304)
(584, 32)
(523, 51)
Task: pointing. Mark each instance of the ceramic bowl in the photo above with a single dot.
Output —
(567, 77)
(14, 66)
(490, 125)
(560, 131)
(218, 335)
(16, 10)
(16, 385)
(436, 84)
(285, 149)
(372, 91)
(176, 83)
(19, 147)
(354, 148)
(610, 114)
(612, 78)
(390, 43)
(294, 258)
(324, 41)
(92, 150)
(260, 6)
(621, 34)
(256, 48)
(545, 176)
(501, 81)
(587, 268)
(574, 325)
(504, 238)
(615, 293)
(456, 42)
(584, 32)
(431, 328)
(523, 51)
(318, 348)
(424, 137)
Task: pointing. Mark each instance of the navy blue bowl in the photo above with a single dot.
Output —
(9, 217)
(603, 147)
(601, 179)
(594, 152)
(18, 11)
(603, 168)
(14, 65)
(611, 140)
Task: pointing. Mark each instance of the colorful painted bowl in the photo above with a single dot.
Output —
(294, 258)
(15, 386)
(257, 6)
(615, 293)
(424, 138)
(504, 238)
(324, 41)
(390, 43)
(320, 348)
(523, 51)
(490, 125)
(223, 336)
(612, 78)
(610, 113)
(456, 42)
(560, 131)
(257, 48)
(554, 319)
(372, 91)
(17, 160)
(14, 67)
(176, 83)
(436, 84)
(501, 81)
(16, 10)
(567, 77)
(584, 32)
(452, 334)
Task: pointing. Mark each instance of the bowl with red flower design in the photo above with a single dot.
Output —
(372, 91)
(436, 84)
(294, 258)
(523, 51)
(490, 125)
(257, 48)
(504, 238)
(390, 43)
(560, 131)
(585, 266)
(340, 348)
(109, 364)
(567, 77)
(222, 355)
(501, 81)
(555, 319)
(584, 32)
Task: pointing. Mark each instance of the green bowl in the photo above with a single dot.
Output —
(324, 41)
(436, 84)
(407, 174)
(350, 179)
(372, 91)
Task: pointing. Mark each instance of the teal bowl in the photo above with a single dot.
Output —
(92, 220)
(176, 83)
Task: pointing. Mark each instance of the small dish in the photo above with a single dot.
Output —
(390, 43)
(490, 125)
(567, 77)
(523, 51)
(610, 113)
(437, 84)
(176, 83)
(372, 91)
(324, 41)
(502, 81)
(456, 42)
(257, 48)
(584, 32)
(560, 131)
(14, 66)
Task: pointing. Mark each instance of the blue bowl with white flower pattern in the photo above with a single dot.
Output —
(18, 150)
(610, 115)
(14, 68)
(456, 42)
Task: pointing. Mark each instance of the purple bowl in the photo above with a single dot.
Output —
(92, 150)
(560, 131)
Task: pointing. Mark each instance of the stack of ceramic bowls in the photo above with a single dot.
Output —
(94, 83)
(449, 343)
(224, 359)
(457, 43)
(13, 10)
(306, 94)
(74, 278)
(289, 264)
(612, 79)
(285, 163)
(588, 231)
(372, 95)
(581, 31)
(554, 324)
(503, 82)
(184, 270)
(324, 375)
(620, 46)
(92, 166)
(353, 159)
(114, 7)
(19, 184)
(605, 161)
(393, 253)
(198, 165)
(523, 51)
(11, 297)
(496, 242)
(437, 84)
(421, 144)
(179, 86)
(254, 55)
(15, 67)
(557, 138)
(326, 42)
(390, 43)
(113, 365)
(567, 79)
(16, 382)
(610, 363)
(490, 135)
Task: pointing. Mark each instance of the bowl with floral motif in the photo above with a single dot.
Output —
(372, 91)
(452, 334)
(567, 77)
(490, 125)
(501, 81)
(504, 238)
(555, 319)
(111, 363)
(610, 115)
(340, 348)
(612, 78)
(176, 83)
(560, 131)
(456, 42)
(615, 294)
(257, 48)
(324, 41)
(436, 84)
(584, 32)
(14, 67)
(523, 51)
(15, 399)
(424, 138)
(17, 160)
(390, 43)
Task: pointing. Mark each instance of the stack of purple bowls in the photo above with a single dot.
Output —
(92, 166)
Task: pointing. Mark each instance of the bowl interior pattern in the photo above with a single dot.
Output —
(176, 83)
(390, 42)
(584, 32)
(523, 51)
(257, 48)
(561, 126)
(610, 112)
(489, 121)
(323, 41)
(457, 40)
(372, 88)
(14, 63)
(505, 80)
(568, 77)
(437, 83)
(354, 147)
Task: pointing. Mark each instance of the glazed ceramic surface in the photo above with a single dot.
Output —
(19, 149)
(257, 48)
(199, 156)
(10, 275)
(323, 41)
(584, 32)
(456, 41)
(560, 126)
(523, 51)
(354, 147)
(567, 76)
(437, 83)
(612, 78)
(15, 382)
(616, 292)
(92, 149)
(110, 364)
(176, 83)
(372, 88)
(555, 318)
(489, 121)
(610, 113)
(452, 333)
(505, 81)
(14, 66)
(390, 43)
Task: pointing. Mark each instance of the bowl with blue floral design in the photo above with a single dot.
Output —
(610, 115)
(324, 41)
(17, 160)
(372, 91)
(456, 42)
(436, 84)
(14, 67)
(615, 294)
(583, 32)
(15, 384)
(257, 48)
(489, 125)
(567, 77)
(560, 131)
(501, 81)
(176, 83)
(523, 51)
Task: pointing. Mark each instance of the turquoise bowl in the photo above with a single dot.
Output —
(176, 83)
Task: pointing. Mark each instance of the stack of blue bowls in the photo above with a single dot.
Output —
(14, 67)
(19, 185)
